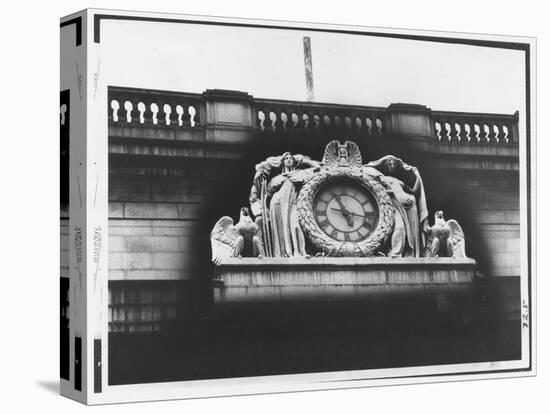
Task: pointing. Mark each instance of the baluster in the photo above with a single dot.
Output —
(491, 136)
(446, 131)
(369, 126)
(467, 132)
(305, 121)
(127, 113)
(63, 114)
(454, 132)
(154, 113)
(165, 110)
(194, 115)
(357, 124)
(337, 122)
(141, 112)
(260, 120)
(114, 110)
(502, 134)
(497, 133)
(179, 115)
(379, 127)
(316, 122)
(294, 120)
(505, 133)
(325, 121)
(110, 109)
(485, 133)
(347, 123)
(284, 120)
(438, 130)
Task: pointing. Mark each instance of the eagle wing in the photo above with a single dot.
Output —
(223, 239)
(354, 154)
(330, 158)
(457, 238)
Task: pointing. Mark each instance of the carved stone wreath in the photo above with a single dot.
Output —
(320, 239)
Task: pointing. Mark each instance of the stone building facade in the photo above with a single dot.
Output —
(179, 161)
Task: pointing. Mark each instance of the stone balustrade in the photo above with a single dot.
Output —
(288, 117)
(130, 107)
(472, 128)
(160, 108)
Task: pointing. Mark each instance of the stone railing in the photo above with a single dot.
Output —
(475, 128)
(219, 111)
(288, 116)
(151, 107)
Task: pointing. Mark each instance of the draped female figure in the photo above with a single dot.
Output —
(273, 195)
(407, 193)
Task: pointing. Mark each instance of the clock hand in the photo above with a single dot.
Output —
(349, 212)
(346, 213)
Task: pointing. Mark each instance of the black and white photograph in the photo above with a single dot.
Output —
(274, 206)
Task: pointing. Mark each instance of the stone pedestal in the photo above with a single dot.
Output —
(271, 280)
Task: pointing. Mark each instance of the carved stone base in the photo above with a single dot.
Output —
(270, 280)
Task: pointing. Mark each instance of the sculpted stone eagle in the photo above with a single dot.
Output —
(445, 238)
(241, 239)
(342, 155)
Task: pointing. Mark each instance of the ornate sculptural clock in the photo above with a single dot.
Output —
(343, 208)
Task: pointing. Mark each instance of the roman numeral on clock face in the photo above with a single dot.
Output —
(363, 231)
(321, 206)
(326, 197)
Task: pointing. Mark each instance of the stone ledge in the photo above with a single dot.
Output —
(345, 262)
(252, 280)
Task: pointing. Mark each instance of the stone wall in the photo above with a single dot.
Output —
(174, 174)
(498, 218)
(159, 248)
(159, 245)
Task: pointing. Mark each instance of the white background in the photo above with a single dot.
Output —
(347, 69)
(29, 208)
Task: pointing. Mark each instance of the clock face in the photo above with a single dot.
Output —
(346, 211)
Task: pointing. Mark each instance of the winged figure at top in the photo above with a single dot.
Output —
(342, 155)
